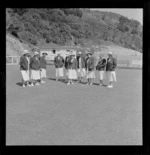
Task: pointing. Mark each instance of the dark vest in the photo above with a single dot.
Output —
(24, 63)
(34, 64)
(111, 64)
(58, 62)
(72, 64)
(42, 62)
(90, 64)
(82, 61)
(101, 64)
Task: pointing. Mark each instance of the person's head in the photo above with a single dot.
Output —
(44, 54)
(110, 54)
(36, 54)
(25, 53)
(59, 54)
(79, 53)
(89, 55)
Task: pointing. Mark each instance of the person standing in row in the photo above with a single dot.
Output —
(101, 67)
(110, 69)
(59, 63)
(35, 69)
(43, 67)
(81, 66)
(72, 67)
(68, 56)
(90, 68)
(24, 68)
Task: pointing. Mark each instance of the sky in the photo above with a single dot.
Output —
(136, 14)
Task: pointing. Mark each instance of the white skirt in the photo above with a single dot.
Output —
(25, 75)
(59, 72)
(81, 72)
(43, 73)
(111, 76)
(102, 75)
(90, 74)
(67, 74)
(35, 75)
(72, 74)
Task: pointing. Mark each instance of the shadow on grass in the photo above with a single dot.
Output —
(19, 84)
(54, 79)
(97, 84)
(60, 80)
(83, 82)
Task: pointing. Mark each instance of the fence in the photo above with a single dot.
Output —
(121, 63)
(12, 60)
(125, 61)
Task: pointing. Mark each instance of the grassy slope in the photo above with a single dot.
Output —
(14, 48)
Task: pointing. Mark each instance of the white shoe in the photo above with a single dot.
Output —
(32, 85)
(72, 83)
(100, 84)
(23, 85)
(42, 81)
(110, 86)
(28, 85)
(68, 83)
(91, 84)
(37, 84)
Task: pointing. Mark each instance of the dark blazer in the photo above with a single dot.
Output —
(101, 64)
(90, 64)
(23, 63)
(72, 65)
(82, 61)
(34, 64)
(42, 62)
(67, 62)
(58, 62)
(111, 64)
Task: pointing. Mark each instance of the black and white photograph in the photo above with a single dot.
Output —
(74, 76)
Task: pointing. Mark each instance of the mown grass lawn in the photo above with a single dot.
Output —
(57, 114)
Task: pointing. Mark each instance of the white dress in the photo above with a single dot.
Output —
(59, 72)
(43, 73)
(25, 73)
(35, 74)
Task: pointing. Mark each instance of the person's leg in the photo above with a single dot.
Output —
(101, 77)
(90, 81)
(57, 74)
(110, 80)
(24, 78)
(69, 82)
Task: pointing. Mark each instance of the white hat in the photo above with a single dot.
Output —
(36, 53)
(25, 52)
(110, 53)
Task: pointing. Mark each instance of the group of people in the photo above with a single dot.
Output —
(84, 66)
(33, 69)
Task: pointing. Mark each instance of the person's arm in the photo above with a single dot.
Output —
(55, 61)
(114, 63)
(22, 63)
(103, 63)
(76, 64)
(63, 61)
(93, 63)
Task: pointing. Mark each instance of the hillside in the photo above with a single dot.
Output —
(84, 27)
